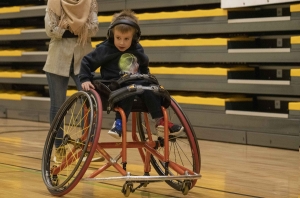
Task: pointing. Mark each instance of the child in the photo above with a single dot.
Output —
(123, 38)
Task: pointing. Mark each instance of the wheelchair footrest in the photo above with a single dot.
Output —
(145, 178)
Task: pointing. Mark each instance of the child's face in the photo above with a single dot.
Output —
(123, 41)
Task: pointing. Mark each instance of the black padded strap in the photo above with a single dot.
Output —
(101, 88)
(122, 93)
(134, 78)
(133, 89)
(128, 77)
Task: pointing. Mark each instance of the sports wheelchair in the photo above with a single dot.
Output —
(175, 159)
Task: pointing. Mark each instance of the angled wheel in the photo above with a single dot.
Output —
(183, 150)
(80, 119)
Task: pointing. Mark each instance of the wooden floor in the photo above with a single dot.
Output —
(228, 170)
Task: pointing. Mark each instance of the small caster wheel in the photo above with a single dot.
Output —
(145, 185)
(127, 189)
(186, 186)
(55, 181)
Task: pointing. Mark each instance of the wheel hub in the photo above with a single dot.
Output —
(66, 139)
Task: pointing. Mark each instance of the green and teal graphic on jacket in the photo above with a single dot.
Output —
(128, 63)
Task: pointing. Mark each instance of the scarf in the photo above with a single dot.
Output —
(74, 15)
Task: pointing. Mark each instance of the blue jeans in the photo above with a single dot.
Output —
(58, 86)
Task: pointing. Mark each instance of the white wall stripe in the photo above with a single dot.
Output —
(259, 82)
(259, 50)
(260, 114)
(263, 19)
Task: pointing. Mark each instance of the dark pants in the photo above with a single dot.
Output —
(58, 86)
(151, 100)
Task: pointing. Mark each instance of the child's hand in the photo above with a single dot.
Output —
(86, 86)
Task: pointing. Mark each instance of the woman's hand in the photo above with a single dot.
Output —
(86, 86)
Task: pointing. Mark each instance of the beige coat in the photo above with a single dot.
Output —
(61, 50)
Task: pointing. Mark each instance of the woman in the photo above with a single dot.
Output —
(70, 24)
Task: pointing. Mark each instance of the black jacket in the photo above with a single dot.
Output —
(107, 56)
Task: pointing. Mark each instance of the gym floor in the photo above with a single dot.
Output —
(228, 170)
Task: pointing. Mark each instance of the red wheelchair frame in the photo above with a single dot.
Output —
(80, 119)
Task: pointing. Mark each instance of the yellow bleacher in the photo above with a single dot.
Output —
(196, 70)
(173, 15)
(294, 106)
(11, 52)
(15, 73)
(179, 42)
(210, 100)
(10, 31)
(16, 95)
(10, 9)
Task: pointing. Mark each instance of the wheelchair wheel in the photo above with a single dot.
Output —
(80, 119)
(184, 149)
